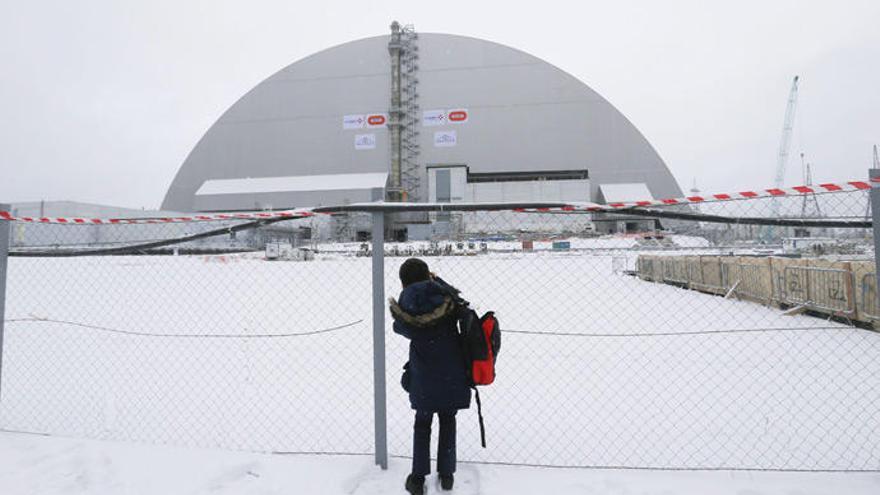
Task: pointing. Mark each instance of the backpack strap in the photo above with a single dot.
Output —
(480, 415)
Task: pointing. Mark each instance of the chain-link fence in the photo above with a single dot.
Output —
(729, 335)
(221, 350)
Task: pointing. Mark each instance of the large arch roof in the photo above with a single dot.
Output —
(524, 114)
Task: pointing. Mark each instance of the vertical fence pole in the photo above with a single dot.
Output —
(875, 220)
(380, 412)
(5, 226)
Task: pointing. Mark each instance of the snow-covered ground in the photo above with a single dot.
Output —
(60, 466)
(597, 368)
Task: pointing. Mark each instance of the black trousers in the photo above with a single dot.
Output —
(422, 443)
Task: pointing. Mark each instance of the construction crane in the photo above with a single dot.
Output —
(782, 157)
(788, 125)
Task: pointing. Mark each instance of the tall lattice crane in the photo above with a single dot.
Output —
(784, 145)
(787, 127)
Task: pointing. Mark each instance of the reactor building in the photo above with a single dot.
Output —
(420, 117)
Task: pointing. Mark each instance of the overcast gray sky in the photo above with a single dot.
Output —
(101, 101)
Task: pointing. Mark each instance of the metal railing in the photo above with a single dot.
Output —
(819, 288)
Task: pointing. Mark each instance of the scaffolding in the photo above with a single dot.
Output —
(404, 114)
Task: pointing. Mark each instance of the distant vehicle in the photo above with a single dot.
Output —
(793, 245)
(286, 252)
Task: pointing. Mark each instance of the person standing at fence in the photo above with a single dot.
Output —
(435, 376)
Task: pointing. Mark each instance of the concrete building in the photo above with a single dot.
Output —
(416, 117)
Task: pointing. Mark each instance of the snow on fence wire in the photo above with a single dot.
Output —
(686, 345)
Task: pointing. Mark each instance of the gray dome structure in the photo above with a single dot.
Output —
(524, 116)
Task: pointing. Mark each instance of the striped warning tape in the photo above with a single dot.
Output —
(849, 186)
(291, 214)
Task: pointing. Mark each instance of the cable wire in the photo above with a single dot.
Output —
(186, 335)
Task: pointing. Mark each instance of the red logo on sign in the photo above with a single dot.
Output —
(376, 119)
(458, 116)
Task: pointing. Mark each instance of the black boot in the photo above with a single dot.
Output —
(446, 481)
(415, 484)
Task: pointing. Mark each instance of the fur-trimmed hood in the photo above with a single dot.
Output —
(423, 304)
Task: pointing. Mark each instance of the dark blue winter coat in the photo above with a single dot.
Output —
(424, 313)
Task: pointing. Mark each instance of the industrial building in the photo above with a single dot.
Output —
(419, 117)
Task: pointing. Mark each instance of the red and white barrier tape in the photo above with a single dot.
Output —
(849, 186)
(292, 214)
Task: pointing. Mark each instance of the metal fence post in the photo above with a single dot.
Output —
(875, 224)
(381, 420)
(5, 227)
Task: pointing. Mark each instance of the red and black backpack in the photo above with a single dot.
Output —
(480, 339)
(481, 343)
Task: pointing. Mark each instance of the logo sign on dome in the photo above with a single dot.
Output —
(458, 116)
(433, 118)
(377, 120)
(364, 141)
(445, 139)
(353, 121)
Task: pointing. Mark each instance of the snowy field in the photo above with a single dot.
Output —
(60, 466)
(597, 368)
